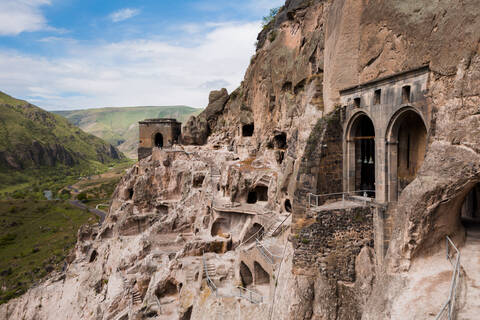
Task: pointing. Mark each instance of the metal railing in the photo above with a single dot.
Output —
(270, 257)
(210, 282)
(251, 296)
(316, 200)
(447, 311)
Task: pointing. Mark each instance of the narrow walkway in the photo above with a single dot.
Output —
(469, 301)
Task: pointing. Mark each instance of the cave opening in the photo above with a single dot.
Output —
(254, 232)
(288, 205)
(93, 256)
(248, 129)
(259, 193)
(130, 193)
(470, 210)
(280, 141)
(245, 275)
(261, 276)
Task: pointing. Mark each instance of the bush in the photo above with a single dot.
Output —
(271, 16)
(82, 196)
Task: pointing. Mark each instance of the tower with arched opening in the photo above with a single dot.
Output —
(157, 133)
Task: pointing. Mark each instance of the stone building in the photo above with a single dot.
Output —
(386, 122)
(157, 133)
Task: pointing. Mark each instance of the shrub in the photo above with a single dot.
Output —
(271, 16)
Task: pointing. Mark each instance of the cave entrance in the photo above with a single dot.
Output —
(406, 150)
(280, 141)
(158, 140)
(254, 232)
(261, 276)
(259, 193)
(248, 129)
(245, 275)
(363, 165)
(470, 210)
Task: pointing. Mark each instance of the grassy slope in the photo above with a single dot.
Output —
(22, 123)
(35, 237)
(119, 126)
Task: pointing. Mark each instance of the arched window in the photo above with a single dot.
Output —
(158, 140)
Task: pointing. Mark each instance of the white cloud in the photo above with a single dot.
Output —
(136, 72)
(17, 16)
(124, 14)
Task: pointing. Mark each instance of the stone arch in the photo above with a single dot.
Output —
(245, 275)
(406, 138)
(360, 153)
(158, 140)
(261, 276)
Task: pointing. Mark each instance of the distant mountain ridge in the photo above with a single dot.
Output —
(119, 126)
(31, 137)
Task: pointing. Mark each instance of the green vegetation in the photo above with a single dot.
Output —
(270, 17)
(35, 239)
(31, 183)
(119, 126)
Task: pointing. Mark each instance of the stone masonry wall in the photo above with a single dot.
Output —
(320, 169)
(330, 244)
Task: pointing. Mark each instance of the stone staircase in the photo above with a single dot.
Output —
(211, 269)
(136, 297)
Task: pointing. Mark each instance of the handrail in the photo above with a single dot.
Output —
(449, 306)
(251, 296)
(210, 282)
(265, 252)
(317, 196)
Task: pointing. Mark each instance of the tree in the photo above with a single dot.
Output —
(270, 17)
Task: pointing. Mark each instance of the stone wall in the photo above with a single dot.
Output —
(320, 169)
(331, 243)
(170, 130)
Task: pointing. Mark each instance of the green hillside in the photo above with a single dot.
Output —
(119, 126)
(35, 143)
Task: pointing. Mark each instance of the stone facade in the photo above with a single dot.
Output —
(159, 133)
(331, 243)
(397, 108)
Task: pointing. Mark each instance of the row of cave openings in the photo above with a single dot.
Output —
(406, 144)
(259, 276)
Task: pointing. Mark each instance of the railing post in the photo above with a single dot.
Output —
(343, 200)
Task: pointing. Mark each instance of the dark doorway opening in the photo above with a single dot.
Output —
(280, 141)
(259, 193)
(248, 129)
(245, 275)
(261, 276)
(364, 136)
(288, 205)
(158, 140)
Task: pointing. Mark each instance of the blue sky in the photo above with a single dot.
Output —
(70, 54)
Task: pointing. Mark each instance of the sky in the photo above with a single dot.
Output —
(75, 54)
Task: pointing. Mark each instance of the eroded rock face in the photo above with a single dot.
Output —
(278, 137)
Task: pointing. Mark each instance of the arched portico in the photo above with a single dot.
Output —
(406, 140)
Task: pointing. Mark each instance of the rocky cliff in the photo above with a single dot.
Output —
(203, 232)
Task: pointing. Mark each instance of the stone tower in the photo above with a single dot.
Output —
(157, 133)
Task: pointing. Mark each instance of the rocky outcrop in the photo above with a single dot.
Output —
(197, 129)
